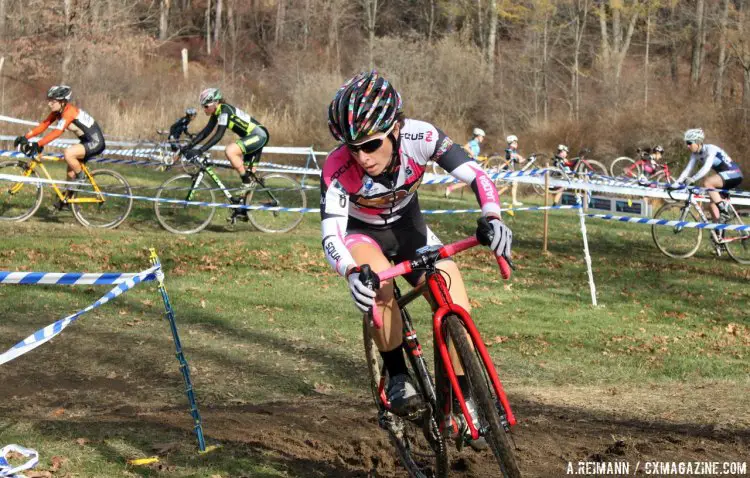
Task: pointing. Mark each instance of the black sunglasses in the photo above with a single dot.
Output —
(689, 143)
(366, 147)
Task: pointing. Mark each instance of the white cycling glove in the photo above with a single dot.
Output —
(362, 285)
(494, 233)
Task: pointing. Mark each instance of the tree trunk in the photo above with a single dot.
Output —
(208, 27)
(492, 38)
(217, 22)
(68, 8)
(431, 20)
(306, 26)
(2, 18)
(605, 49)
(232, 27)
(164, 19)
(279, 30)
(371, 17)
(545, 65)
(695, 65)
(582, 11)
(673, 54)
(481, 39)
(645, 62)
(722, 62)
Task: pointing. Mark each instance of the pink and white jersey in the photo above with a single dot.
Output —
(348, 192)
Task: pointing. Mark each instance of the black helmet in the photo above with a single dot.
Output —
(658, 149)
(364, 105)
(60, 93)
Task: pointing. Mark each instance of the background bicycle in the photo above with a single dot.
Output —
(683, 242)
(164, 151)
(584, 169)
(643, 168)
(272, 190)
(421, 438)
(93, 207)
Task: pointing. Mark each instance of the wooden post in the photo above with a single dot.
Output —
(546, 211)
(185, 63)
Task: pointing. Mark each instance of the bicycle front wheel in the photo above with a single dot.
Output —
(592, 168)
(624, 167)
(415, 453)
(277, 191)
(113, 202)
(491, 413)
(180, 218)
(18, 201)
(675, 241)
(737, 243)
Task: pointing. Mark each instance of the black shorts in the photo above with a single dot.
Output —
(399, 241)
(93, 145)
(252, 144)
(732, 183)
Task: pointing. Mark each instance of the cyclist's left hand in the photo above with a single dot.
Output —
(676, 185)
(493, 232)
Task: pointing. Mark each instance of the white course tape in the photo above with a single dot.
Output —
(9, 471)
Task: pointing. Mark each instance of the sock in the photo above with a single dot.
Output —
(723, 206)
(80, 175)
(394, 361)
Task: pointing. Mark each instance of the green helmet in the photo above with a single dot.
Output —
(210, 95)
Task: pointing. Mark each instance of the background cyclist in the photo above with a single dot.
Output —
(223, 116)
(370, 209)
(180, 127)
(512, 155)
(727, 172)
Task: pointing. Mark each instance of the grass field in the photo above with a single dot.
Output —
(270, 334)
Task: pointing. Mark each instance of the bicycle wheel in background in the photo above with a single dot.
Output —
(113, 209)
(554, 173)
(414, 452)
(676, 242)
(489, 409)
(592, 167)
(182, 218)
(18, 201)
(624, 167)
(276, 190)
(738, 242)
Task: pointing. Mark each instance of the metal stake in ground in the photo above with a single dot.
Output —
(197, 426)
(586, 254)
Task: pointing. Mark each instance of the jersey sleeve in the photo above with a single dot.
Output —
(222, 121)
(205, 131)
(686, 172)
(41, 127)
(457, 162)
(68, 116)
(706, 166)
(334, 215)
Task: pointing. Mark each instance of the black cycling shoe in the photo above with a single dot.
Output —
(402, 395)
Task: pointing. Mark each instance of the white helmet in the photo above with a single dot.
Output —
(478, 132)
(695, 135)
(511, 138)
(562, 147)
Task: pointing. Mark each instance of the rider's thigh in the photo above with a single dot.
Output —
(75, 152)
(233, 152)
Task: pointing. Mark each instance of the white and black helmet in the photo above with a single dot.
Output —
(695, 135)
(562, 147)
(191, 112)
(511, 138)
(478, 132)
(60, 93)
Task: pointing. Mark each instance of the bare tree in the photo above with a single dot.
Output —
(579, 28)
(614, 50)
(164, 19)
(208, 26)
(491, 37)
(217, 22)
(698, 42)
(722, 61)
(280, 19)
(2, 18)
(371, 19)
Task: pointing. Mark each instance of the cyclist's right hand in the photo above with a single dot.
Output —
(192, 154)
(362, 285)
(676, 185)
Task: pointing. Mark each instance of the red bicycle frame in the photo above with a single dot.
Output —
(438, 288)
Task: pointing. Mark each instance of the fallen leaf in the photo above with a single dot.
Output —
(82, 441)
(58, 412)
(203, 303)
(57, 463)
(38, 474)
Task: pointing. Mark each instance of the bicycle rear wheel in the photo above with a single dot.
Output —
(276, 190)
(624, 167)
(491, 413)
(592, 168)
(673, 241)
(180, 218)
(554, 173)
(18, 201)
(415, 453)
(115, 201)
(737, 242)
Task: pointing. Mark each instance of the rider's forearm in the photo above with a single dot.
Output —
(214, 139)
(483, 187)
(337, 255)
